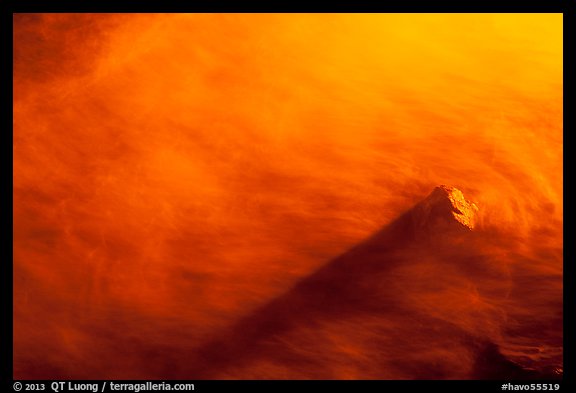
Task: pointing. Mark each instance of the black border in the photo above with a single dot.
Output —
(567, 7)
(286, 6)
(6, 210)
(569, 269)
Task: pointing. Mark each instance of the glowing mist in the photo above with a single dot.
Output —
(173, 173)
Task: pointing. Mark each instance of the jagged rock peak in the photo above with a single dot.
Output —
(446, 208)
(463, 210)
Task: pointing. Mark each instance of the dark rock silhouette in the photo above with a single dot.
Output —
(356, 286)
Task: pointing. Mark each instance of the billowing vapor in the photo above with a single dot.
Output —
(175, 173)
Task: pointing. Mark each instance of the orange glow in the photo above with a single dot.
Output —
(173, 173)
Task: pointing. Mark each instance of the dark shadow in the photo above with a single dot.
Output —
(331, 290)
(344, 288)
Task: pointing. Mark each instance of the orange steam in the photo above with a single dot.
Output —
(174, 172)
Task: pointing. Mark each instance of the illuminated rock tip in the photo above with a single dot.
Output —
(446, 208)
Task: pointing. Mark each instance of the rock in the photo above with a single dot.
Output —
(445, 210)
